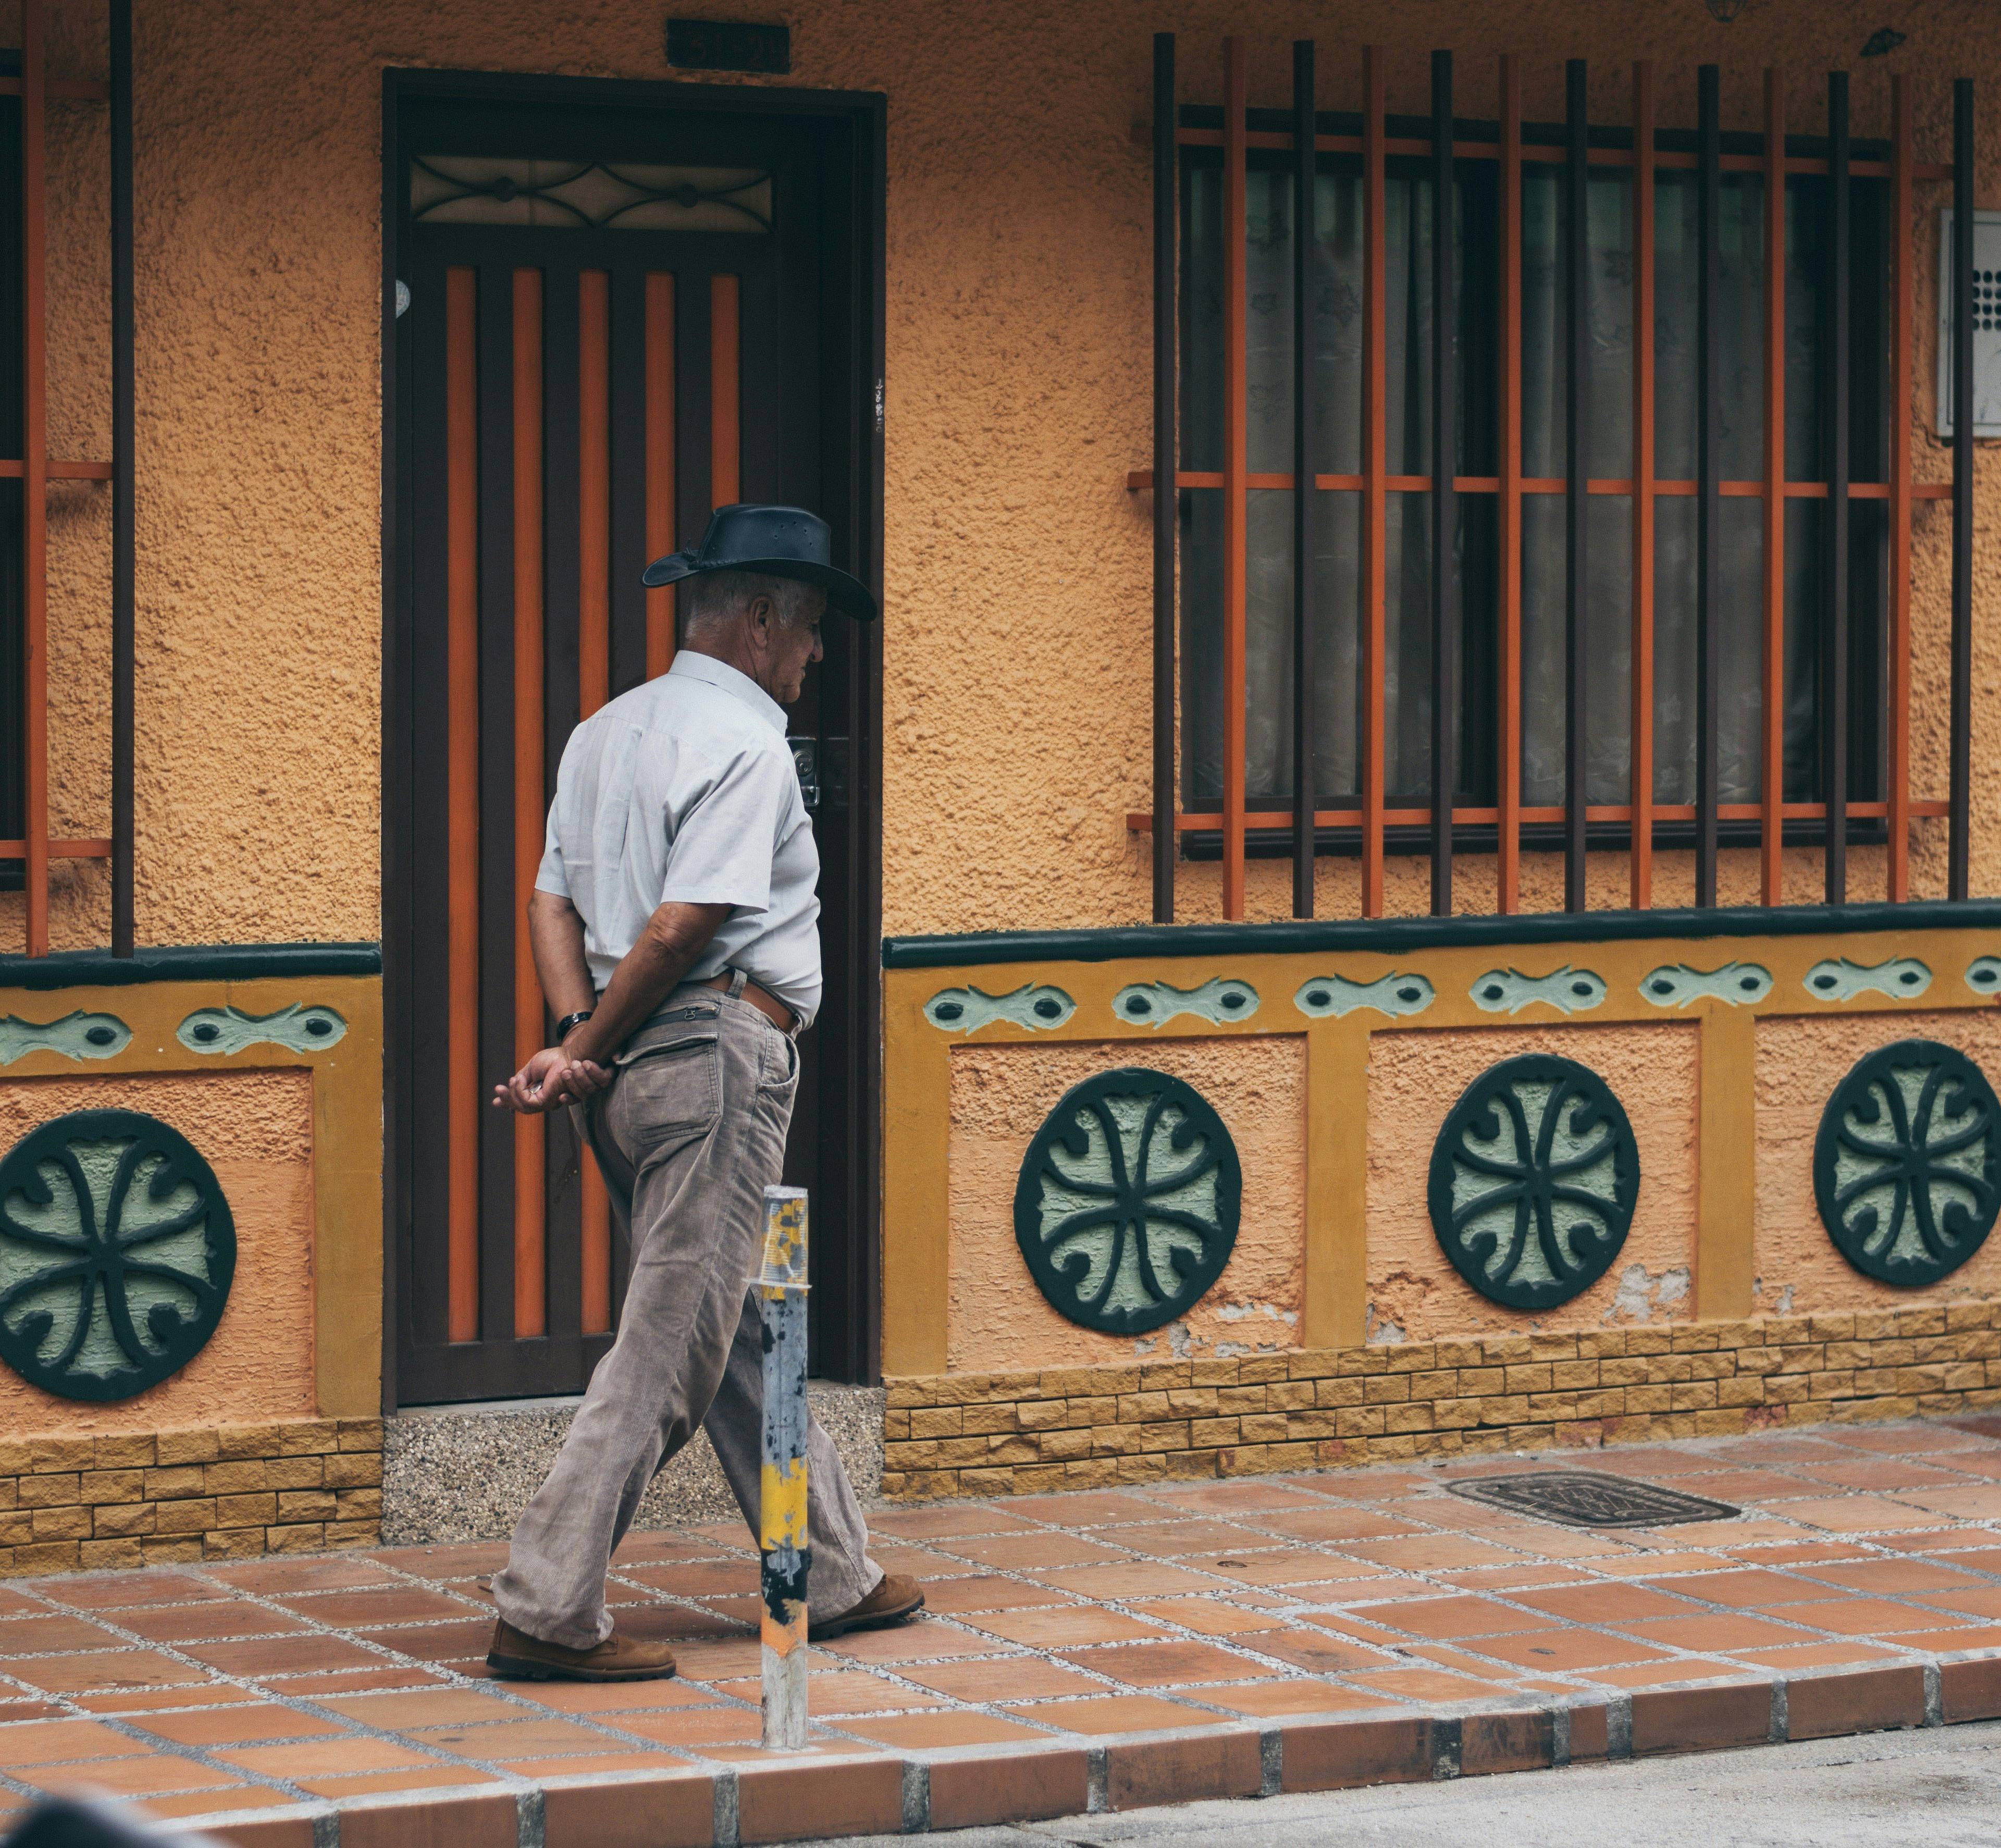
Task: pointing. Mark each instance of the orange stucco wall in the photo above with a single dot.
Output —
(256, 1130)
(1017, 566)
(1000, 1096)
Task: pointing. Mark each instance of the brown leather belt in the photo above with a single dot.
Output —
(762, 999)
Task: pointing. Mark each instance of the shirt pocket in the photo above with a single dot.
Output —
(671, 1087)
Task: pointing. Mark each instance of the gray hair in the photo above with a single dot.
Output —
(714, 598)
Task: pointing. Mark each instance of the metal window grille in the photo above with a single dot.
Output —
(1431, 154)
(31, 86)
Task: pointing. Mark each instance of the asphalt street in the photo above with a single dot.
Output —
(1940, 1788)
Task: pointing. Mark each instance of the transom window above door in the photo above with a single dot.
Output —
(458, 188)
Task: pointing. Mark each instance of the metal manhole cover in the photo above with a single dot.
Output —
(1582, 1498)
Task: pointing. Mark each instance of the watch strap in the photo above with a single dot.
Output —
(569, 1023)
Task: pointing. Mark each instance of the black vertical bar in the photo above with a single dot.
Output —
(628, 478)
(123, 525)
(1444, 462)
(1960, 788)
(1305, 162)
(1834, 712)
(1576, 412)
(1166, 499)
(1709, 471)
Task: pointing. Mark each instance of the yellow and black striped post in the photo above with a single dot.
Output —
(785, 1554)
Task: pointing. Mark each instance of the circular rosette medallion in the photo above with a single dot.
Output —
(1533, 1181)
(1907, 1167)
(116, 1251)
(1127, 1207)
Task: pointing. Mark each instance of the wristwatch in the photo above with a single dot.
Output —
(569, 1023)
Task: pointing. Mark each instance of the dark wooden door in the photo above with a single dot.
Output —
(614, 321)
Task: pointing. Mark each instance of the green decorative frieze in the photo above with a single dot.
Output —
(1509, 991)
(1533, 1181)
(1127, 1207)
(78, 1036)
(1738, 983)
(1331, 996)
(1154, 1003)
(298, 1028)
(1902, 978)
(1983, 975)
(1038, 1007)
(117, 1249)
(1907, 1166)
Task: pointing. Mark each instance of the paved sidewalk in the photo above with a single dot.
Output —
(1085, 1651)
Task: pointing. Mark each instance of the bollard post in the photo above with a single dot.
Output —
(785, 1554)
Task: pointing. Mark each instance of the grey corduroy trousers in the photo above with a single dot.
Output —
(689, 1134)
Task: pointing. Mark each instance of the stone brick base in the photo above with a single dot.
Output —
(1029, 1433)
(227, 1492)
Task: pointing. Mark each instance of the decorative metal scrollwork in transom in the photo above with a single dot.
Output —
(1907, 1167)
(587, 195)
(1533, 1181)
(117, 1249)
(1127, 1207)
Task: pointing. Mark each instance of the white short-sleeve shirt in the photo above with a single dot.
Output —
(684, 789)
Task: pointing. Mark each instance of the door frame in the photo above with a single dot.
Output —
(857, 1354)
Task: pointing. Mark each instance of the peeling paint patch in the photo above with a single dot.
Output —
(1236, 1312)
(1642, 1293)
(1374, 1330)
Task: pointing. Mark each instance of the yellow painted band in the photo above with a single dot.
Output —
(783, 1505)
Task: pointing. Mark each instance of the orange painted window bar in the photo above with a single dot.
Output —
(1662, 598)
(26, 848)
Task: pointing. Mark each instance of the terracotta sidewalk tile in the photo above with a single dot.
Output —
(1001, 1678)
(1746, 1590)
(1820, 1656)
(611, 1697)
(1942, 1536)
(666, 1549)
(1865, 1616)
(115, 1591)
(1970, 1690)
(1981, 1559)
(1337, 1524)
(1432, 1553)
(1360, 1485)
(1169, 1539)
(497, 1740)
(1243, 1496)
(706, 1662)
(353, 1681)
(1749, 1531)
(211, 1803)
(1701, 1719)
(165, 1699)
(1104, 1714)
(1070, 1628)
(1563, 1651)
(1974, 1503)
(206, 1622)
(1799, 1554)
(45, 1635)
(1349, 1752)
(1135, 1578)
(425, 1707)
(1000, 1788)
(910, 1642)
(1317, 1654)
(831, 1691)
(695, 1726)
(1264, 1700)
(11, 1712)
(453, 1819)
(1144, 1773)
(1819, 1707)
(777, 1802)
(706, 1578)
(920, 1562)
(1941, 1642)
(1663, 1674)
(1661, 1565)
(1718, 1632)
(326, 1757)
(268, 1577)
(1750, 1485)
(673, 1809)
(937, 1523)
(1173, 1664)
(284, 1656)
(940, 1731)
(1651, 1462)
(1087, 1508)
(375, 1784)
(652, 1623)
(1617, 1602)
(1900, 1578)
(1879, 1473)
(77, 1674)
(13, 1605)
(1966, 1463)
(452, 1560)
(1032, 1552)
(1446, 1618)
(1433, 1685)
(237, 1725)
(982, 1590)
(433, 1642)
(365, 1609)
(1556, 1543)
(1906, 1440)
(1211, 1616)
(140, 1777)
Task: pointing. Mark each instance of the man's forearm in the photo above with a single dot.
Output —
(651, 970)
(555, 936)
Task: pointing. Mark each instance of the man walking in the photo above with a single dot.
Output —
(674, 927)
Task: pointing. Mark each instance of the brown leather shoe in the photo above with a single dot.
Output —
(897, 1597)
(515, 1656)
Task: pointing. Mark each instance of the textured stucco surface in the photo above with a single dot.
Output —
(1017, 566)
(1415, 1079)
(1000, 1097)
(1800, 1062)
(254, 1128)
(465, 1473)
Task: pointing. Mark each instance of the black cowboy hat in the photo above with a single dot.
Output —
(781, 541)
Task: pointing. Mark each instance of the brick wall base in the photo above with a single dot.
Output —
(1028, 1433)
(230, 1492)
